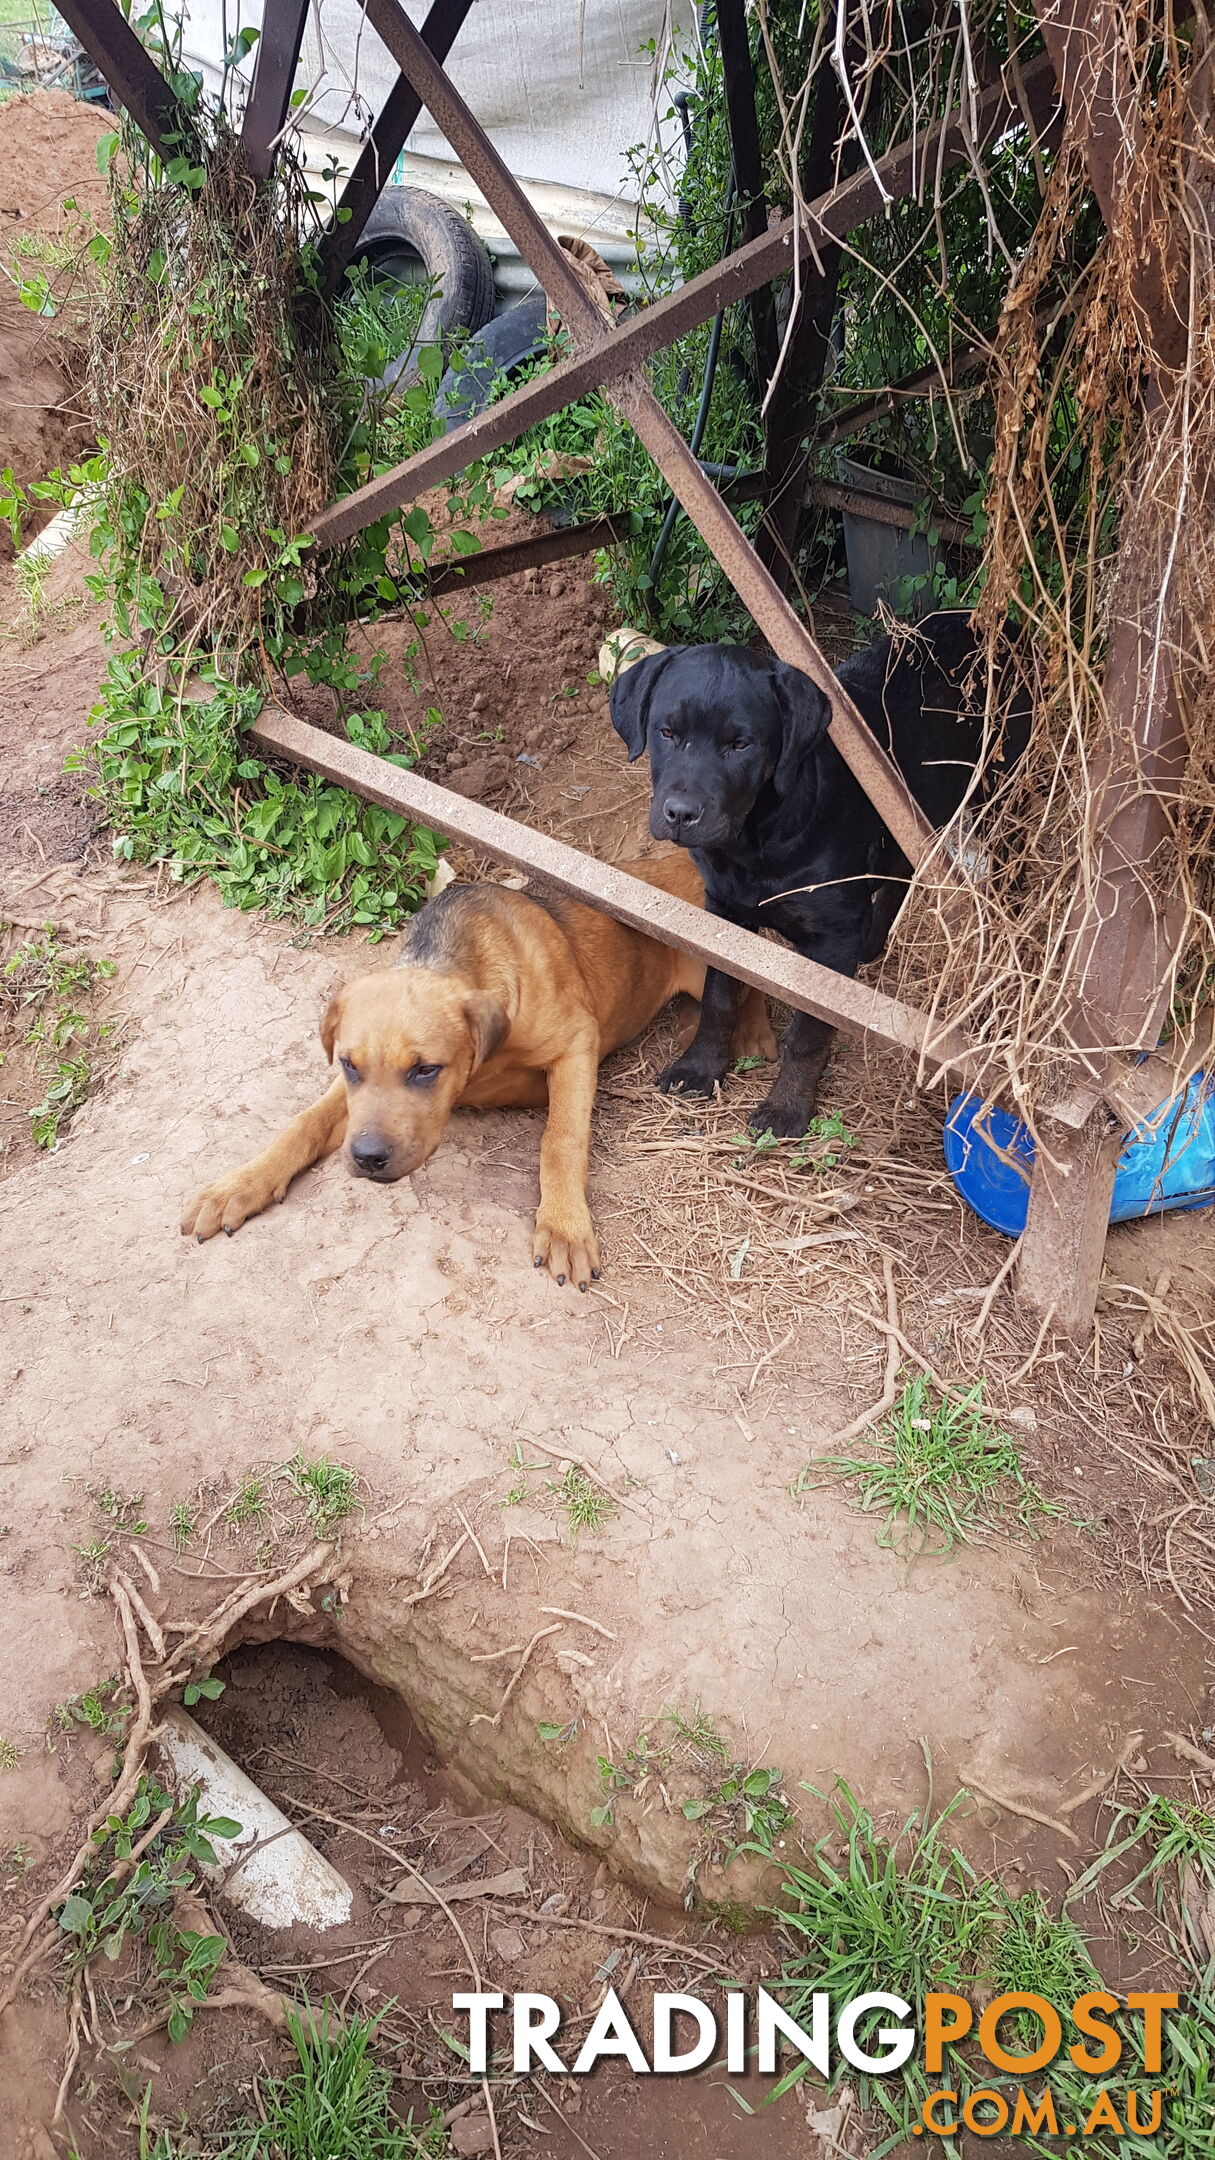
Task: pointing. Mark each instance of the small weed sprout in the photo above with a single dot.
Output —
(739, 1806)
(96, 1709)
(328, 1490)
(940, 1475)
(586, 1506)
(181, 1525)
(249, 1505)
(10, 1754)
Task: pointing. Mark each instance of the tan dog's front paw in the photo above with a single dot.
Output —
(753, 1036)
(229, 1202)
(569, 1249)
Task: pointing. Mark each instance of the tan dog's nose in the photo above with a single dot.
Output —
(369, 1152)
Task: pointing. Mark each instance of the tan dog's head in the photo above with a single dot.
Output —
(408, 1042)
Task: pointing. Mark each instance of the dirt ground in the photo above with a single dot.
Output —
(48, 147)
(401, 1331)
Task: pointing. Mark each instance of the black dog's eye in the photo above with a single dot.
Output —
(351, 1070)
(737, 745)
(667, 734)
(422, 1075)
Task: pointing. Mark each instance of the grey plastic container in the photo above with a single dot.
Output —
(879, 554)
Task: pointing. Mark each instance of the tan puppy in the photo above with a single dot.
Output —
(498, 999)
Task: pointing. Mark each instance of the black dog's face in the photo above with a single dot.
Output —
(722, 723)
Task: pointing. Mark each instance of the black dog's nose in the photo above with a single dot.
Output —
(680, 814)
(370, 1153)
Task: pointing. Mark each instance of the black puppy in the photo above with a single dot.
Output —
(785, 838)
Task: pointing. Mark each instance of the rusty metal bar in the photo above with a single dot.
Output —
(131, 73)
(557, 544)
(617, 352)
(278, 52)
(382, 149)
(850, 1005)
(833, 495)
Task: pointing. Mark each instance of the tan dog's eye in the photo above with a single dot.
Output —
(350, 1069)
(421, 1075)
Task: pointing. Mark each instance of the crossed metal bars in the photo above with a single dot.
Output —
(1060, 1269)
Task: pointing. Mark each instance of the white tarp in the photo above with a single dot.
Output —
(564, 88)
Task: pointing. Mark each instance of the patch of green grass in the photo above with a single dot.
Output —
(10, 1754)
(44, 988)
(338, 2102)
(328, 1490)
(1174, 1846)
(587, 1506)
(909, 1914)
(181, 1524)
(249, 1505)
(940, 1475)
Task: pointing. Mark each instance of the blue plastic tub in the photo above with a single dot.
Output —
(1171, 1166)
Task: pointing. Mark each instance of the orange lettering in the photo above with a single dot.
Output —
(1133, 2124)
(1040, 2121)
(989, 2034)
(1103, 2117)
(937, 2030)
(970, 2115)
(928, 2114)
(1153, 2007)
(1109, 2054)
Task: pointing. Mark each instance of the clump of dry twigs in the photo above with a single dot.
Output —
(1100, 541)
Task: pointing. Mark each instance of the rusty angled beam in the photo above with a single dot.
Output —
(382, 148)
(783, 974)
(557, 544)
(274, 66)
(131, 73)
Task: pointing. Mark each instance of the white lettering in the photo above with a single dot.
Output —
(666, 2009)
(736, 2032)
(478, 2008)
(771, 2019)
(532, 2037)
(896, 2039)
(611, 2034)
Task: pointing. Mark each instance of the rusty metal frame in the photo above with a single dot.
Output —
(1069, 1199)
(274, 66)
(133, 76)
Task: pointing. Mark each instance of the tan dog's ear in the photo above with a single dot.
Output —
(331, 1023)
(487, 1025)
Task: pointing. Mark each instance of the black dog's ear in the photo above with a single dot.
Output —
(805, 714)
(631, 693)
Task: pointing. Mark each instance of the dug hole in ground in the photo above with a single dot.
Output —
(564, 1582)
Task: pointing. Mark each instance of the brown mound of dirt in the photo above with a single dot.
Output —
(50, 192)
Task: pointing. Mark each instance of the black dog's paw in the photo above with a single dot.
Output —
(689, 1075)
(785, 1121)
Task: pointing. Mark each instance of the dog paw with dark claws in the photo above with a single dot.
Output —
(687, 1077)
(784, 1121)
(568, 1249)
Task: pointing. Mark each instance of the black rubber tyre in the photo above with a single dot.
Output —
(408, 224)
(501, 347)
